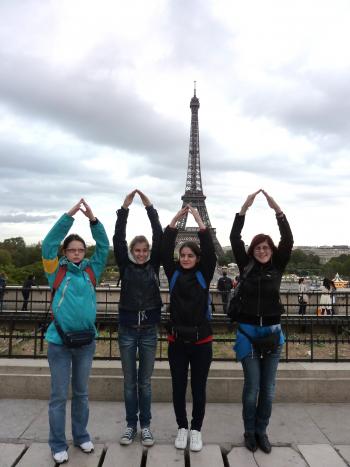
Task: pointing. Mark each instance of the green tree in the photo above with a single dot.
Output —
(5, 257)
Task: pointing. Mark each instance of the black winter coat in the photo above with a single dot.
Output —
(139, 282)
(260, 294)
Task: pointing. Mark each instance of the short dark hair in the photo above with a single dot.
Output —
(138, 239)
(301, 279)
(260, 238)
(192, 246)
(71, 238)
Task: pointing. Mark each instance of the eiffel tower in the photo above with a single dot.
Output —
(193, 191)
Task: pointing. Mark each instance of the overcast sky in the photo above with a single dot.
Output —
(94, 102)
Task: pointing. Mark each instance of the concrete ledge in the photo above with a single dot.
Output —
(296, 382)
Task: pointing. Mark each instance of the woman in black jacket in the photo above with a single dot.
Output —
(139, 315)
(189, 329)
(259, 316)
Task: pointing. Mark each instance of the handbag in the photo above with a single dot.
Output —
(265, 345)
(235, 301)
(75, 339)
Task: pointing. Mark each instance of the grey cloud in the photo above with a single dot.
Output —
(23, 218)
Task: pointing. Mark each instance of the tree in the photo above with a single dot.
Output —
(5, 257)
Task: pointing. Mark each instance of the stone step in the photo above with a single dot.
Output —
(321, 455)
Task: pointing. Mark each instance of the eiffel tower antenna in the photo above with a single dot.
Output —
(194, 191)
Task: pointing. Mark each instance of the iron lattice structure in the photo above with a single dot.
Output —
(194, 191)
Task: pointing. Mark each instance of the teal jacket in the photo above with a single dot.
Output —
(74, 303)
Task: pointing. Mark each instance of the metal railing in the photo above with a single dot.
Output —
(308, 337)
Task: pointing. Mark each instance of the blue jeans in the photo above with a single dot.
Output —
(64, 363)
(259, 390)
(137, 381)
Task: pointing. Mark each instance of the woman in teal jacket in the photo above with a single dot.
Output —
(74, 309)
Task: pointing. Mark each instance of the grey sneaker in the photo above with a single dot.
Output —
(147, 437)
(128, 436)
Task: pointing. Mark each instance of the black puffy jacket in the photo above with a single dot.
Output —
(260, 290)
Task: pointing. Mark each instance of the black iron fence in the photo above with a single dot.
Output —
(309, 337)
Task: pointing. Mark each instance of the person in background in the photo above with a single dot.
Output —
(74, 309)
(2, 289)
(26, 290)
(261, 268)
(326, 299)
(224, 285)
(189, 329)
(139, 315)
(303, 298)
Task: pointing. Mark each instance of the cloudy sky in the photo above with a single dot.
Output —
(94, 102)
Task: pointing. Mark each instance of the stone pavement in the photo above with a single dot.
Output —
(301, 434)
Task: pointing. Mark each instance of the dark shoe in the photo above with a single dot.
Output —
(263, 443)
(250, 442)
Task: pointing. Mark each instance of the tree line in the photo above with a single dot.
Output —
(18, 261)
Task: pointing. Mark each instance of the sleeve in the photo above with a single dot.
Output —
(99, 258)
(167, 251)
(237, 244)
(285, 245)
(119, 239)
(51, 244)
(208, 257)
(157, 234)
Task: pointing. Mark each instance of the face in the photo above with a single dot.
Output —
(262, 252)
(75, 251)
(140, 252)
(188, 259)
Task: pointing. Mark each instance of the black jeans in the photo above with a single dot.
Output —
(199, 357)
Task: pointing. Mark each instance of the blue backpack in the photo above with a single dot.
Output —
(201, 280)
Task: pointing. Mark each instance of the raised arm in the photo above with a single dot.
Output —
(168, 243)
(120, 245)
(157, 231)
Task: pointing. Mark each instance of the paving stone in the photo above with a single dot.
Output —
(38, 455)
(241, 457)
(209, 456)
(77, 458)
(344, 451)
(321, 455)
(17, 415)
(165, 456)
(10, 453)
(123, 456)
(331, 420)
(280, 456)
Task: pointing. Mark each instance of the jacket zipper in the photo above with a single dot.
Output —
(259, 299)
(63, 293)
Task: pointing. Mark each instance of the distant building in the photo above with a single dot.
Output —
(325, 252)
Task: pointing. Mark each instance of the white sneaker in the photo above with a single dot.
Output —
(181, 438)
(87, 447)
(60, 457)
(196, 443)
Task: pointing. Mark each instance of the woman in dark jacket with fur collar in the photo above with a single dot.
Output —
(261, 268)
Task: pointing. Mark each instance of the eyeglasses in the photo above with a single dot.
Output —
(75, 250)
(262, 248)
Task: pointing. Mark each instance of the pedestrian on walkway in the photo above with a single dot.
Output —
(26, 290)
(259, 336)
(224, 286)
(139, 315)
(72, 280)
(2, 289)
(189, 330)
(303, 298)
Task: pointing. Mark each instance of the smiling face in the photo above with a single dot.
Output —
(262, 252)
(187, 258)
(140, 252)
(75, 251)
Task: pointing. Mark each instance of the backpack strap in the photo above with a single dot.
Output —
(91, 274)
(62, 271)
(173, 280)
(201, 279)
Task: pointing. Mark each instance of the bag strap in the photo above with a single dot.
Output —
(247, 268)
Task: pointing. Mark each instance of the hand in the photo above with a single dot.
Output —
(272, 203)
(87, 210)
(248, 202)
(179, 215)
(146, 202)
(129, 199)
(73, 210)
(196, 216)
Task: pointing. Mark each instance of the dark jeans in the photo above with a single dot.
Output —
(259, 390)
(302, 308)
(26, 296)
(224, 297)
(199, 358)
